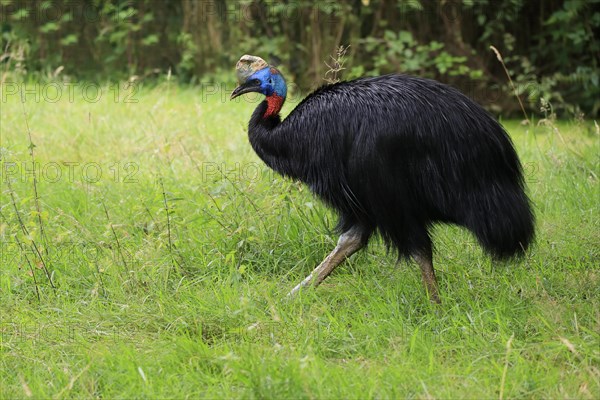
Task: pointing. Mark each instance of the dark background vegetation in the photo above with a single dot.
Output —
(548, 46)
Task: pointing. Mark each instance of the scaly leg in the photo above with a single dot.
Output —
(349, 243)
(424, 259)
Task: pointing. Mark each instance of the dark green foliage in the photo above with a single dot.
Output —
(549, 46)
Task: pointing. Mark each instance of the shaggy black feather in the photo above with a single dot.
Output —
(397, 154)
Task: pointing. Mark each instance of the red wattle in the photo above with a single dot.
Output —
(274, 104)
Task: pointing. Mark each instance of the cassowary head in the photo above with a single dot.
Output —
(255, 75)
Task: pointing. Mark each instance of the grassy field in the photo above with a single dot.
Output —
(151, 255)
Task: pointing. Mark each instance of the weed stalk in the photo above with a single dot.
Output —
(337, 66)
(512, 85)
(505, 370)
(25, 231)
(36, 197)
(174, 262)
(118, 243)
(31, 269)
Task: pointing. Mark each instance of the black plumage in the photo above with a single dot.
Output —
(397, 154)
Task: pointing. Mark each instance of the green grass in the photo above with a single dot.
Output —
(181, 294)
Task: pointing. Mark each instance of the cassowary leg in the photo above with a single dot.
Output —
(349, 243)
(425, 260)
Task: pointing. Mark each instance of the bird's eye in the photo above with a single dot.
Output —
(257, 82)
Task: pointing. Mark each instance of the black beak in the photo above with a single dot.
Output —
(247, 87)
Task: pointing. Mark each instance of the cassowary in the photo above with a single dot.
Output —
(393, 154)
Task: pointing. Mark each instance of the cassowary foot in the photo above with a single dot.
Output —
(424, 259)
(349, 243)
